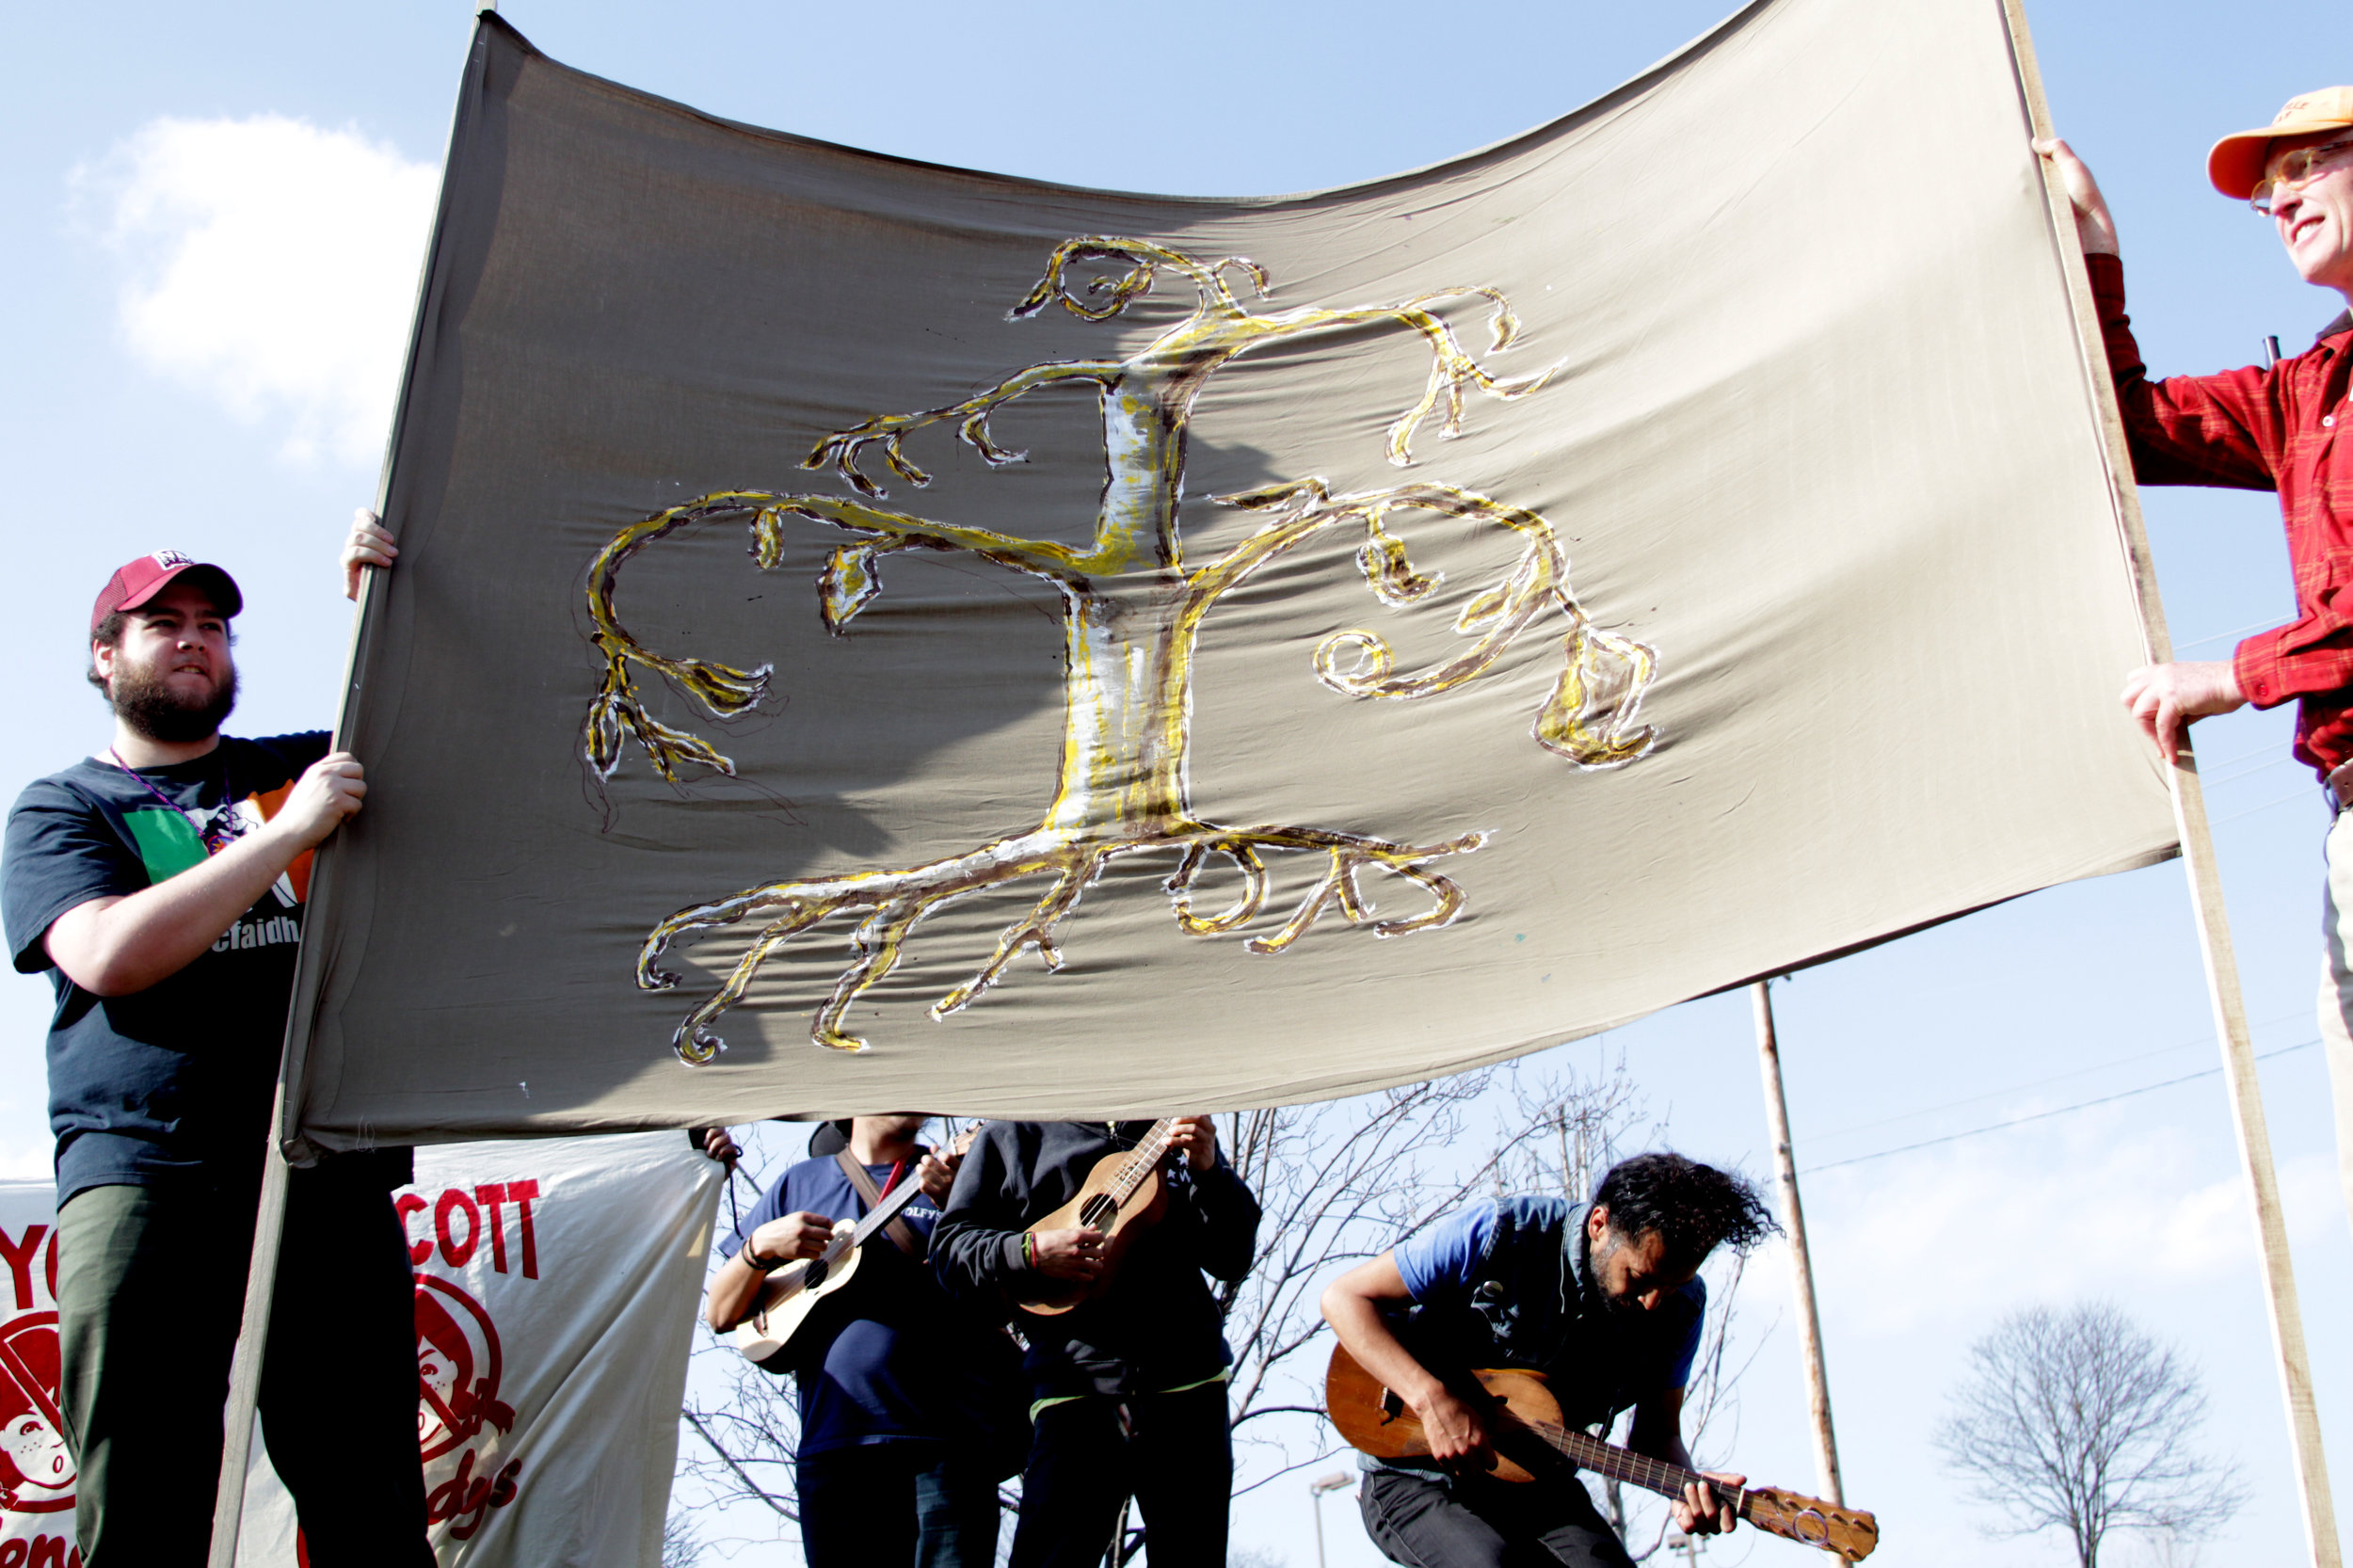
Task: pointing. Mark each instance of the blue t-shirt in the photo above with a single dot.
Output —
(1439, 1263)
(174, 1083)
(908, 1368)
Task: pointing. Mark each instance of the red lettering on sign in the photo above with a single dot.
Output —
(13, 1553)
(467, 1497)
(503, 1490)
(50, 1551)
(520, 1193)
(20, 1257)
(53, 1265)
(406, 1205)
(493, 1194)
(452, 1201)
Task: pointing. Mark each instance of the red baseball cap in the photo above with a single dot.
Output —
(136, 582)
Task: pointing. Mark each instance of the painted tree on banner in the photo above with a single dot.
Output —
(1132, 608)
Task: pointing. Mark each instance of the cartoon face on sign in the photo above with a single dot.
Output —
(457, 1368)
(35, 1472)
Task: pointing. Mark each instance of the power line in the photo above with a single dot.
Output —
(2234, 633)
(2307, 792)
(2040, 1116)
(1814, 1138)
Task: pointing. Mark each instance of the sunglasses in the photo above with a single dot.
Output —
(2293, 169)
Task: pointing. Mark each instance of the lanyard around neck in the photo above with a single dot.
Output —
(215, 840)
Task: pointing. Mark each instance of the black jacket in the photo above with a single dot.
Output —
(1156, 1327)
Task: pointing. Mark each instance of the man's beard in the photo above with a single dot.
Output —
(142, 700)
(1616, 1306)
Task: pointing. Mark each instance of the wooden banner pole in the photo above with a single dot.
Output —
(2197, 860)
(1800, 1255)
(245, 1367)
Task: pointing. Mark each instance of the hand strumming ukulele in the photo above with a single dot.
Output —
(1530, 1437)
(1123, 1197)
(788, 1297)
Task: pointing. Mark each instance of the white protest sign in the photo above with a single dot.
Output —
(556, 1282)
(35, 1472)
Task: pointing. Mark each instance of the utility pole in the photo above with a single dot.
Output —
(1800, 1256)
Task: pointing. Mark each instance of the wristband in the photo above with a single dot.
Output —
(1028, 1250)
(751, 1255)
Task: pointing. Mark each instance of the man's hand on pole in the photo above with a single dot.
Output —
(368, 545)
(2092, 222)
(2165, 697)
(328, 790)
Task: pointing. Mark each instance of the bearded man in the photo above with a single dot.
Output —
(1605, 1300)
(160, 884)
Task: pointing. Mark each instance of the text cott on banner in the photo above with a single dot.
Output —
(973, 644)
(556, 1282)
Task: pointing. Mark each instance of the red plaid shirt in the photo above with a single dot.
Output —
(2263, 430)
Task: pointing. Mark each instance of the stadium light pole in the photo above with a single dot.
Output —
(1316, 1489)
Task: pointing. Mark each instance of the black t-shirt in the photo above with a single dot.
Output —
(173, 1083)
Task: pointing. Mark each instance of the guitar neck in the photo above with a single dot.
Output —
(1624, 1465)
(1147, 1158)
(900, 1196)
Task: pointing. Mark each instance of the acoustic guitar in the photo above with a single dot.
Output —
(790, 1296)
(1123, 1197)
(1530, 1439)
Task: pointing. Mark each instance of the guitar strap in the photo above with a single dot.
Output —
(900, 1232)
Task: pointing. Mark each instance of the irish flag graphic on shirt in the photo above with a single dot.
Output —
(172, 841)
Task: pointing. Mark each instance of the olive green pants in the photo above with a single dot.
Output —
(150, 1287)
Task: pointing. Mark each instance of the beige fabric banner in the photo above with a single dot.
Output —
(976, 646)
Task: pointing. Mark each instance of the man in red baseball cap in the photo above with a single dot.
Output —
(2266, 429)
(160, 884)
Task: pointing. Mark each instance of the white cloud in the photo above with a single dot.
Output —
(2114, 1212)
(272, 265)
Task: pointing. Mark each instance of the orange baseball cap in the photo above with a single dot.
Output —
(2237, 160)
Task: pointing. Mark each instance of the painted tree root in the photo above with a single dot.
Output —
(1132, 610)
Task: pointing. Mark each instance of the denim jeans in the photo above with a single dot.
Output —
(884, 1505)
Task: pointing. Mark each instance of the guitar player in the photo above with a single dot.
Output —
(1127, 1390)
(1604, 1300)
(902, 1399)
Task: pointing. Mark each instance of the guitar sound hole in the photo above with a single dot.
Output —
(816, 1273)
(1098, 1213)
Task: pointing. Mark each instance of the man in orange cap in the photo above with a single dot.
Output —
(2266, 429)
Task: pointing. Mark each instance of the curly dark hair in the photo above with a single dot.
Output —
(1694, 1208)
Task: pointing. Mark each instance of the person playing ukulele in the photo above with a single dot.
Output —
(1604, 1300)
(901, 1398)
(1128, 1387)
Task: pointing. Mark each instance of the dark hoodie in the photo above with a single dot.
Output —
(1156, 1327)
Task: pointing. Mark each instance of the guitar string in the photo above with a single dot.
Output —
(1643, 1471)
(1131, 1175)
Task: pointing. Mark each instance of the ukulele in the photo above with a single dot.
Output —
(1122, 1199)
(792, 1293)
(1525, 1424)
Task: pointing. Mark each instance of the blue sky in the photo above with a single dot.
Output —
(214, 221)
